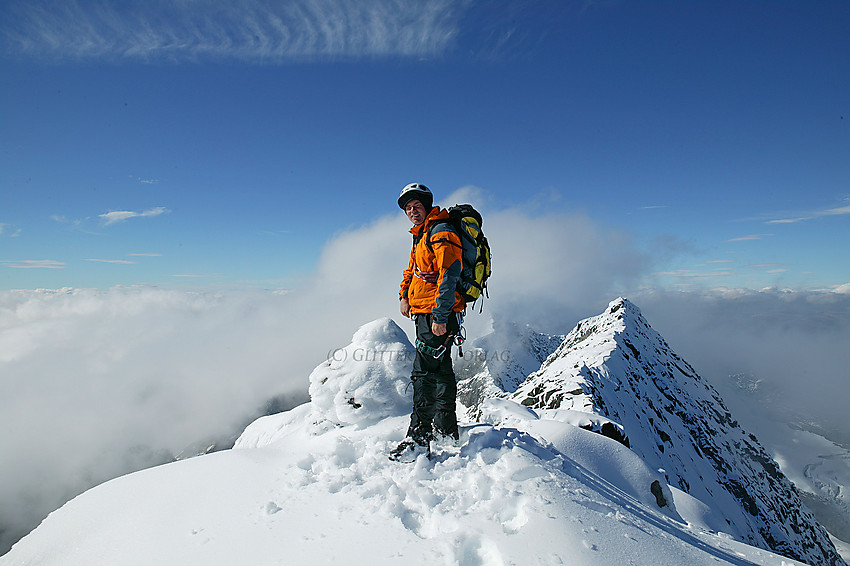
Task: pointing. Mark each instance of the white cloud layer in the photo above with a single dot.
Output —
(793, 342)
(247, 30)
(94, 384)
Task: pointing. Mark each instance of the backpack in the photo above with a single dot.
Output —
(467, 222)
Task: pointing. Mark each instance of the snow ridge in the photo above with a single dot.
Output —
(617, 366)
(535, 486)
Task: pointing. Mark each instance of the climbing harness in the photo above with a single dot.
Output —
(458, 338)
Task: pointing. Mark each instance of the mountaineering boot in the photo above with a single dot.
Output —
(408, 451)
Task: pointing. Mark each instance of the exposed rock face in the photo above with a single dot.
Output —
(496, 364)
(615, 365)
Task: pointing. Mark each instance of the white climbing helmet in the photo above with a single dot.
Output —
(416, 191)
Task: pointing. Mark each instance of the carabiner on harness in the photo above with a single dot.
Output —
(460, 337)
(435, 353)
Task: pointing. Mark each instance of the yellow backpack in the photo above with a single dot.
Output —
(475, 271)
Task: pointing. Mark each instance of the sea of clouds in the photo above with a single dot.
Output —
(99, 383)
(785, 349)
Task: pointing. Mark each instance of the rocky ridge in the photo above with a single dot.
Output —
(616, 366)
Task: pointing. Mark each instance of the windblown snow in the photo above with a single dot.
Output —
(313, 485)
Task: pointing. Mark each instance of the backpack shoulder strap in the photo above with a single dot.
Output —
(432, 230)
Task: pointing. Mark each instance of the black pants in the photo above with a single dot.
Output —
(434, 385)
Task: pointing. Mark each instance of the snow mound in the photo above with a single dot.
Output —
(366, 381)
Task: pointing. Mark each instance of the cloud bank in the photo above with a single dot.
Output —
(98, 383)
(790, 344)
(254, 31)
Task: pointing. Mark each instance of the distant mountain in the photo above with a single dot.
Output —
(496, 364)
(616, 366)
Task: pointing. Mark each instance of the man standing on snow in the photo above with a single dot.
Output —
(429, 294)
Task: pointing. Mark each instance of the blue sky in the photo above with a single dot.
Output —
(219, 144)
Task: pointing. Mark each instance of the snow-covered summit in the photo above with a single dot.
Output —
(314, 486)
(615, 365)
(359, 384)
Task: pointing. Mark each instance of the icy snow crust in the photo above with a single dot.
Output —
(314, 486)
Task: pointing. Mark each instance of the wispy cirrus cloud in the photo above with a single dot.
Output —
(118, 261)
(749, 237)
(693, 274)
(789, 220)
(9, 230)
(34, 264)
(835, 211)
(249, 30)
(121, 215)
(195, 275)
(797, 218)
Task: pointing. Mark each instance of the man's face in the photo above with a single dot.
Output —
(415, 210)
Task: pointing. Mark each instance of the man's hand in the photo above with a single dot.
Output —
(405, 308)
(438, 329)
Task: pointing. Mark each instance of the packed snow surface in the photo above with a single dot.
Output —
(314, 486)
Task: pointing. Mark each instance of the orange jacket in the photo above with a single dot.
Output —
(430, 280)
